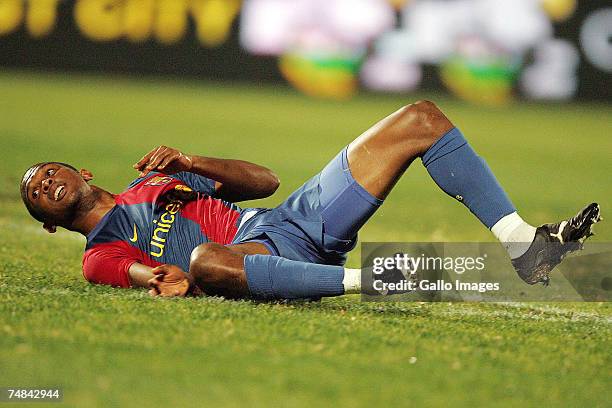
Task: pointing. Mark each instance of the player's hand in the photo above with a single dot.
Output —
(169, 281)
(165, 160)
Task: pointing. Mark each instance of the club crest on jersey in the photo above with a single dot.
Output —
(159, 181)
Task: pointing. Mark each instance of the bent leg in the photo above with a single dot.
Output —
(219, 270)
(379, 157)
(245, 270)
(354, 184)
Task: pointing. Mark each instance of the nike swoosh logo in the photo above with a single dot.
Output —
(135, 237)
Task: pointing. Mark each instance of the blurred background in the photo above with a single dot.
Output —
(483, 51)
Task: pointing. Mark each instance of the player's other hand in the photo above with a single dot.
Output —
(169, 281)
(165, 160)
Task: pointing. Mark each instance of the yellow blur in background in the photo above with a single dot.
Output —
(134, 20)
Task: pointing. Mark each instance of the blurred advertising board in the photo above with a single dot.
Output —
(485, 51)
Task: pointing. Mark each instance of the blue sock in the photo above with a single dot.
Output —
(462, 174)
(273, 277)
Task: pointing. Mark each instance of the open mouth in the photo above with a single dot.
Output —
(59, 193)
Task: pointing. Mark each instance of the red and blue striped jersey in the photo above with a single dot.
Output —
(158, 220)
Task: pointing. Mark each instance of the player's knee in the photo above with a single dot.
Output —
(218, 270)
(423, 123)
(206, 263)
(424, 115)
(425, 106)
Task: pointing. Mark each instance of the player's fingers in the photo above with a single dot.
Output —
(168, 159)
(160, 270)
(155, 281)
(153, 292)
(148, 165)
(160, 150)
(172, 291)
(140, 163)
(155, 160)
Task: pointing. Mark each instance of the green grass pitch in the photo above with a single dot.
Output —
(119, 347)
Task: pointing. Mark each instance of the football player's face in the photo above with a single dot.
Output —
(55, 190)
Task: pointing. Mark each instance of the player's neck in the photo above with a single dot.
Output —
(93, 208)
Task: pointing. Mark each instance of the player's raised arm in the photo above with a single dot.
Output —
(236, 180)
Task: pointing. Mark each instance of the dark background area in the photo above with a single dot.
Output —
(66, 49)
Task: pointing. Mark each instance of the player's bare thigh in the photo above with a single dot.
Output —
(380, 155)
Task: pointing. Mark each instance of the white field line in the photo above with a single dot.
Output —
(522, 311)
(547, 309)
(531, 312)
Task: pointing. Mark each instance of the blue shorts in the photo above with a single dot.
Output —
(319, 222)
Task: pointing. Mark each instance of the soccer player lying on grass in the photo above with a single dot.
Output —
(176, 231)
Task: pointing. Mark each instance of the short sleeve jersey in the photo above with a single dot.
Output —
(158, 220)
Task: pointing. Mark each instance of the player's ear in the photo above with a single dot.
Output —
(86, 174)
(50, 228)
